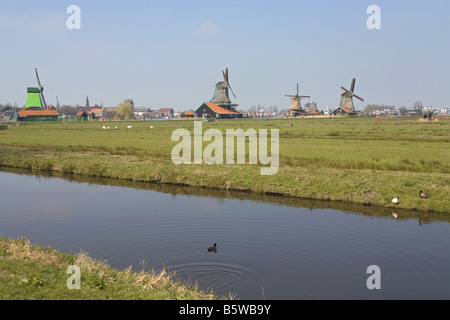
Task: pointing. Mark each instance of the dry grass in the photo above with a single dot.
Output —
(30, 271)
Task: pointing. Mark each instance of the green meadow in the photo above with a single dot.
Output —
(359, 160)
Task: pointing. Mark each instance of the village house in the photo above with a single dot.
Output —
(342, 111)
(98, 113)
(166, 112)
(187, 114)
(213, 111)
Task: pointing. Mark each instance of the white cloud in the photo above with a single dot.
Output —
(207, 28)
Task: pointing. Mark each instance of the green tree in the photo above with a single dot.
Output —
(403, 111)
(125, 111)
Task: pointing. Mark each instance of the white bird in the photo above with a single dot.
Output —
(116, 128)
(395, 200)
(107, 127)
(394, 215)
(151, 127)
(129, 127)
(104, 127)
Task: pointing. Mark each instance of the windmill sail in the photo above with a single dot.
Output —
(35, 96)
(295, 100)
(347, 96)
(221, 96)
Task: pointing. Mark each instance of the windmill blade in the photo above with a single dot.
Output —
(343, 89)
(352, 88)
(297, 88)
(39, 82)
(304, 96)
(225, 75)
(42, 89)
(232, 91)
(358, 97)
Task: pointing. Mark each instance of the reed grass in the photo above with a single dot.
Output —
(33, 272)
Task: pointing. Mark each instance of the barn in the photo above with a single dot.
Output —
(37, 115)
(213, 111)
(342, 111)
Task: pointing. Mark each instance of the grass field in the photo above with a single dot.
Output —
(34, 272)
(361, 160)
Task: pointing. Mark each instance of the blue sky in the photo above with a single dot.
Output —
(171, 53)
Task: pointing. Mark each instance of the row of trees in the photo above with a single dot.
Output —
(418, 108)
(260, 108)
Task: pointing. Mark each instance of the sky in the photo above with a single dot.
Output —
(171, 53)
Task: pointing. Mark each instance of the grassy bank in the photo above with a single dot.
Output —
(359, 160)
(30, 271)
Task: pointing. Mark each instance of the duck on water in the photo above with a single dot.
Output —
(213, 249)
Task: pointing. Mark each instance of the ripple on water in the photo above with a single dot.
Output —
(221, 278)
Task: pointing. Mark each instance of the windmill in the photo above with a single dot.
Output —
(347, 97)
(295, 101)
(35, 96)
(221, 95)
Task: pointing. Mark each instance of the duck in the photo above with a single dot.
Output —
(423, 194)
(210, 249)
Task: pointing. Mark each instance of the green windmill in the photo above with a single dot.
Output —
(35, 96)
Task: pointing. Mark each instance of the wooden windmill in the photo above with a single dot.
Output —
(221, 96)
(347, 97)
(296, 106)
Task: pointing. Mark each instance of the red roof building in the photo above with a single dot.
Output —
(211, 110)
(37, 115)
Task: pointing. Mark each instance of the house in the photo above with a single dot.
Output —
(213, 111)
(82, 114)
(187, 114)
(166, 112)
(98, 113)
(342, 111)
(37, 115)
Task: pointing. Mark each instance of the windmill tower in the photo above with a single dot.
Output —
(221, 95)
(35, 96)
(296, 106)
(347, 97)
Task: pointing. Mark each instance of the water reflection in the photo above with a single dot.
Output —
(220, 195)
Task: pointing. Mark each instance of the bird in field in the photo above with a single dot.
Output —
(423, 194)
(211, 249)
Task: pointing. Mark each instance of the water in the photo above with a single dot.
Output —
(267, 247)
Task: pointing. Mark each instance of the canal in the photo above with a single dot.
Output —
(267, 247)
